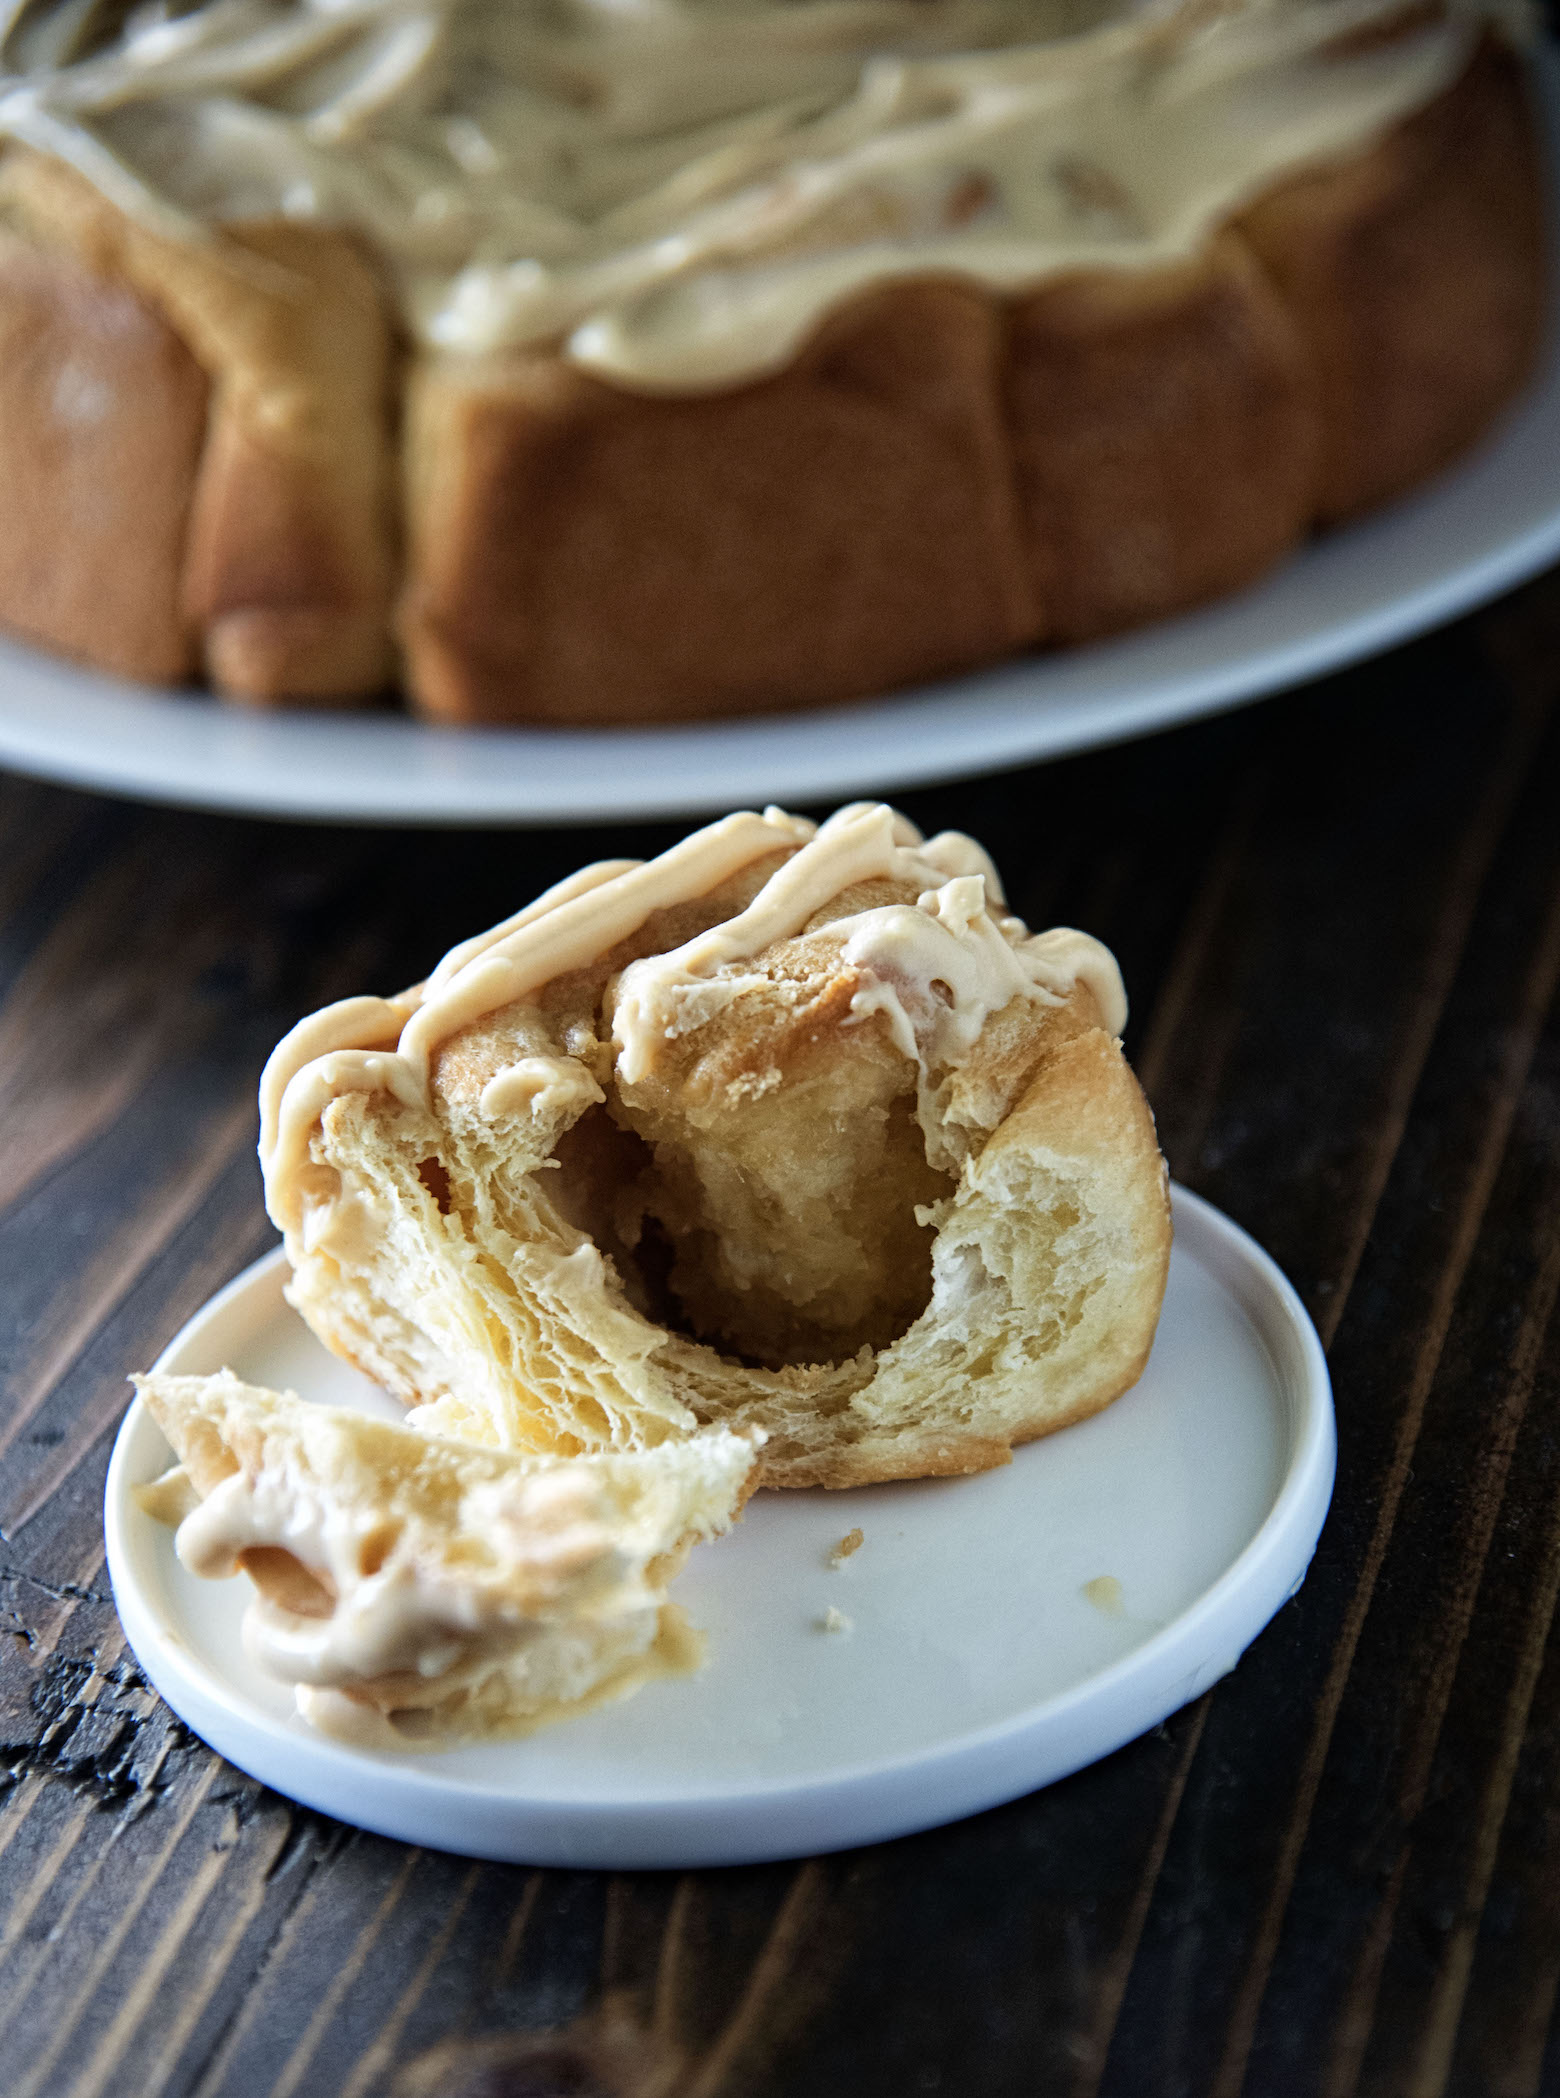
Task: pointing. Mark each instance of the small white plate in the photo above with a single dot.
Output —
(1475, 531)
(977, 1666)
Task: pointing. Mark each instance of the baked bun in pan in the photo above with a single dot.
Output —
(195, 445)
(1413, 277)
(794, 1129)
(418, 1591)
(223, 459)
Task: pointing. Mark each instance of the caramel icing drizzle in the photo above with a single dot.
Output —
(937, 969)
(673, 192)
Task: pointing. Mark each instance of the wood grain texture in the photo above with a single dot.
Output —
(1337, 1876)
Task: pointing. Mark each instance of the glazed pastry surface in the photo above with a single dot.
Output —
(673, 192)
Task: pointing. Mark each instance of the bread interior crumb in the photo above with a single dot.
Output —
(780, 1230)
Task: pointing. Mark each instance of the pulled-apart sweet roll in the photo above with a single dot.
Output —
(794, 1128)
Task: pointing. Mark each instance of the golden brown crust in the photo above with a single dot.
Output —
(293, 543)
(289, 557)
(579, 553)
(1165, 432)
(1089, 1093)
(1414, 275)
(1083, 1105)
(959, 1457)
(102, 418)
(585, 554)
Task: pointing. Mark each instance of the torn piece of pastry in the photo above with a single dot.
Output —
(418, 1591)
(792, 1128)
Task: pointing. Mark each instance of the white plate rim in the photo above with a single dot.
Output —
(84, 729)
(405, 1797)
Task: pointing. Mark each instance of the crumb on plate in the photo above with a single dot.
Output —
(1105, 1593)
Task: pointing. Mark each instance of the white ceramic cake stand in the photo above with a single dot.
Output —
(1003, 1630)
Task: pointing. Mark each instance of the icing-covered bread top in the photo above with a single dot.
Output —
(937, 969)
(674, 191)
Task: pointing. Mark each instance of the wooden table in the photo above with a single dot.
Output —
(1339, 916)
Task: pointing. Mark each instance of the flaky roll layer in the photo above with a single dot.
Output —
(790, 1130)
(416, 1591)
(219, 460)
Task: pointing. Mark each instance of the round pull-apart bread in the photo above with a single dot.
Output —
(793, 1129)
(680, 358)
